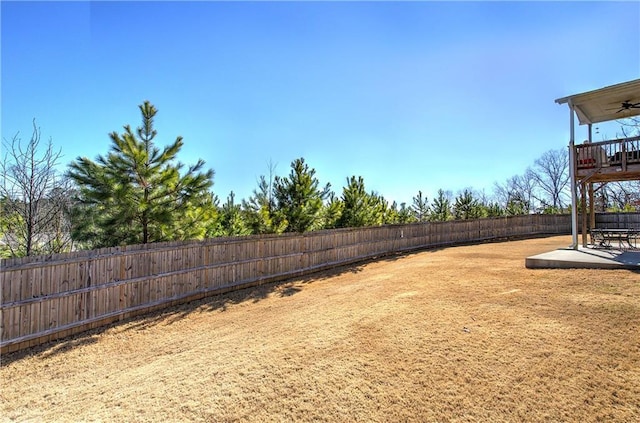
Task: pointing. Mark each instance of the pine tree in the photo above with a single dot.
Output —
(405, 214)
(466, 206)
(259, 210)
(231, 219)
(441, 208)
(420, 207)
(390, 215)
(332, 212)
(358, 206)
(494, 210)
(299, 199)
(136, 193)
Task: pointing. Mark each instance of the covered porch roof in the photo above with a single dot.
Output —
(606, 104)
(610, 103)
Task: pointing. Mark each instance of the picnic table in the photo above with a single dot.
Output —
(626, 238)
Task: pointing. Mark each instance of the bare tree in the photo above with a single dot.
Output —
(516, 194)
(621, 195)
(34, 196)
(550, 173)
(630, 127)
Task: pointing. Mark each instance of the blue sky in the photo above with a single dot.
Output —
(410, 95)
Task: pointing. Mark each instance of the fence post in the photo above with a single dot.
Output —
(106, 285)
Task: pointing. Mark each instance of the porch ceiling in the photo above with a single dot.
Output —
(604, 104)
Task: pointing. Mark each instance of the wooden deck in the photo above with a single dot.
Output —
(605, 161)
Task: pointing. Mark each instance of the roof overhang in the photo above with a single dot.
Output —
(605, 104)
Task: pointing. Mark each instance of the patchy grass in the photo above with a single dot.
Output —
(458, 334)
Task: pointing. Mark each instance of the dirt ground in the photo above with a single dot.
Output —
(462, 334)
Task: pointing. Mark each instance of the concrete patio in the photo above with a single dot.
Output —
(586, 258)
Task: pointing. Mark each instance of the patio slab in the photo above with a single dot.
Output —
(585, 258)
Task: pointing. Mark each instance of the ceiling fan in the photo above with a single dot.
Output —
(626, 105)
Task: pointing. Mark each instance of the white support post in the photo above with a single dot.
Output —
(572, 175)
(589, 206)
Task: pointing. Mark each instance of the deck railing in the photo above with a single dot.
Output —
(619, 152)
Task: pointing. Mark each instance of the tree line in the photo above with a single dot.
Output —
(140, 193)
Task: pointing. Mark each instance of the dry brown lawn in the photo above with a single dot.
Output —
(463, 334)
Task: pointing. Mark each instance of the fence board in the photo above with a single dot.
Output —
(618, 220)
(45, 298)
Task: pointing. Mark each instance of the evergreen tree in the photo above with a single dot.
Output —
(259, 210)
(517, 206)
(231, 219)
(420, 207)
(380, 208)
(441, 208)
(332, 212)
(137, 194)
(494, 210)
(390, 213)
(466, 206)
(359, 208)
(405, 214)
(299, 199)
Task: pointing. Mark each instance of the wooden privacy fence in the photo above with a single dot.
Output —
(618, 220)
(50, 297)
